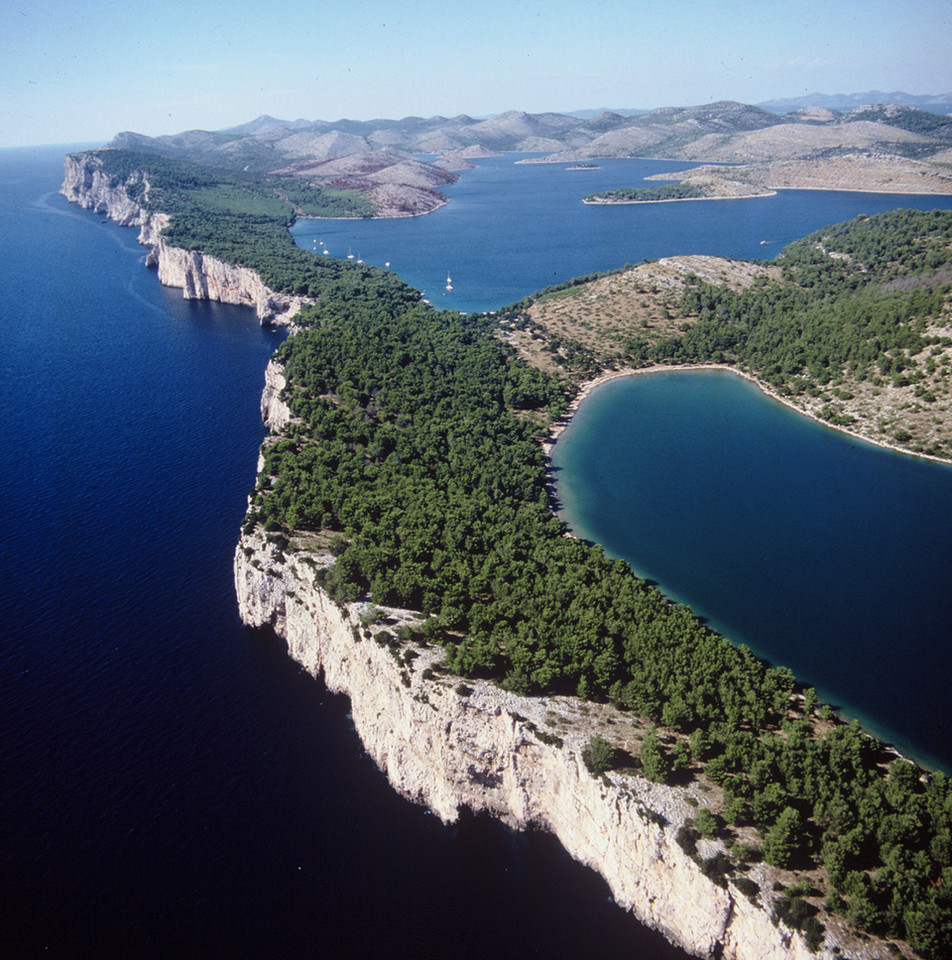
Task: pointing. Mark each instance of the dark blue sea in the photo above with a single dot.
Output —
(173, 785)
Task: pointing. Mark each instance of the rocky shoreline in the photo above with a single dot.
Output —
(200, 277)
(449, 743)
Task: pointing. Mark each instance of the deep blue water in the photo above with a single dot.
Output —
(515, 228)
(819, 551)
(172, 784)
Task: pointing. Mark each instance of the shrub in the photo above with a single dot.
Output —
(597, 755)
(706, 823)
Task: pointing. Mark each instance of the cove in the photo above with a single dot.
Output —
(512, 228)
(819, 551)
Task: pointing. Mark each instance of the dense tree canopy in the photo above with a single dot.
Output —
(669, 191)
(416, 440)
(856, 295)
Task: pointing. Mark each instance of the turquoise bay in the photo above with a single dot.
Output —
(819, 551)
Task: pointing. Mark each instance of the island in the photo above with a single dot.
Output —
(400, 537)
(691, 188)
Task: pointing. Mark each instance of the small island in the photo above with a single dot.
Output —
(695, 188)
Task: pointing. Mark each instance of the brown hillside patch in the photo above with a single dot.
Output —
(607, 315)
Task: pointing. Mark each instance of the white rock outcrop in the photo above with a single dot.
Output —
(275, 413)
(450, 744)
(85, 183)
(200, 277)
(442, 742)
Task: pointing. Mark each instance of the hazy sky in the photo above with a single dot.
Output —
(81, 71)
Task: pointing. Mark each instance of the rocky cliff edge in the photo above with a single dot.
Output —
(449, 743)
(200, 277)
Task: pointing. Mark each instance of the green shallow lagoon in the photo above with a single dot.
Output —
(817, 550)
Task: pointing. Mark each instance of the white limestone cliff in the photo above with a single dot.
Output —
(85, 183)
(450, 744)
(275, 413)
(200, 277)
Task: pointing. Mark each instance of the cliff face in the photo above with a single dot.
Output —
(85, 183)
(200, 277)
(274, 411)
(449, 744)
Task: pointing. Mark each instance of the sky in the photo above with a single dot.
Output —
(77, 72)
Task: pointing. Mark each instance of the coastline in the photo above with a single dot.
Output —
(585, 391)
(451, 743)
(586, 388)
(386, 216)
(844, 714)
(627, 203)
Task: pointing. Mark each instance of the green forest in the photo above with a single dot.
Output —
(416, 444)
(419, 444)
(856, 296)
(862, 304)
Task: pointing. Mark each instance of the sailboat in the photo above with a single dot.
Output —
(449, 281)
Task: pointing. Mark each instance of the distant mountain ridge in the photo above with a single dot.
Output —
(842, 102)
(724, 130)
(934, 103)
(871, 146)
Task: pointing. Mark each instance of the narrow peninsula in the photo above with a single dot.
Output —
(695, 188)
(400, 538)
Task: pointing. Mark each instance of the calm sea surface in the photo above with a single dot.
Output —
(172, 784)
(819, 551)
(515, 228)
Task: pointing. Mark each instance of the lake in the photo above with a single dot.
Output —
(818, 551)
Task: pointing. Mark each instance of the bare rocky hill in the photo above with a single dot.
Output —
(877, 173)
(724, 130)
(398, 184)
(871, 147)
